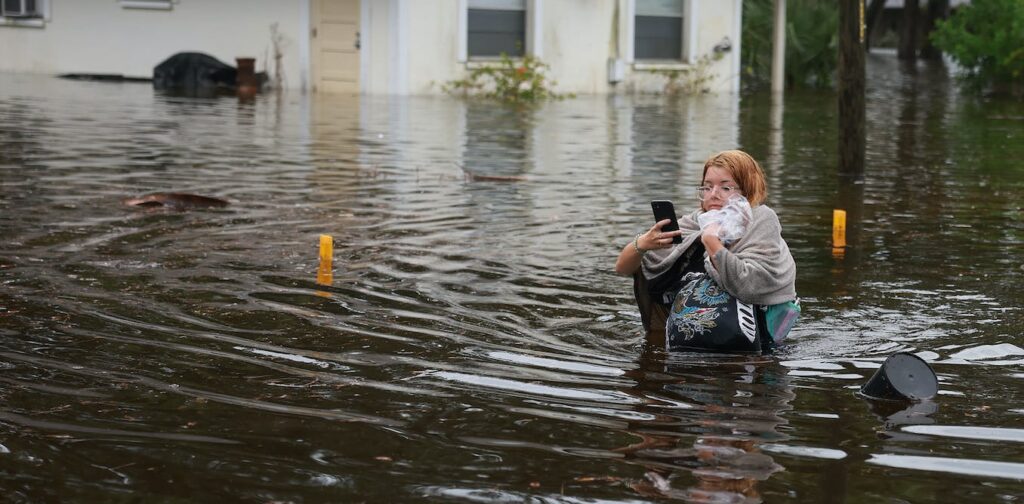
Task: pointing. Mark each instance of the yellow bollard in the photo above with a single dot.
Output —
(838, 229)
(325, 273)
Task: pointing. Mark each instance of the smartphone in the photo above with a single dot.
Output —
(663, 209)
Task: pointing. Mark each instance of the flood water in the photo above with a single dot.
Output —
(474, 344)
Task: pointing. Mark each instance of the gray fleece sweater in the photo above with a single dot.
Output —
(758, 268)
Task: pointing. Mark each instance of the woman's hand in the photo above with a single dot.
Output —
(712, 243)
(631, 255)
(654, 238)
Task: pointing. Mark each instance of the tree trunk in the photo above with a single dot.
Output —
(937, 9)
(908, 32)
(851, 88)
(874, 10)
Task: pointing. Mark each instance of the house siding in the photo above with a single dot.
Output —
(408, 46)
(103, 37)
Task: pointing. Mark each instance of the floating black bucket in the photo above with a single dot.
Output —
(902, 377)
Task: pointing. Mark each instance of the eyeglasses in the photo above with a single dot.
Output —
(726, 190)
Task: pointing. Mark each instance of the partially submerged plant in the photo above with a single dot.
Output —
(278, 42)
(520, 80)
(693, 79)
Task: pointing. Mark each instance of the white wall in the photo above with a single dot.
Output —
(577, 43)
(710, 23)
(716, 20)
(101, 36)
(578, 37)
(376, 46)
(433, 45)
(409, 46)
(574, 42)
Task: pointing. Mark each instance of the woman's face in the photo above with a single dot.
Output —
(717, 188)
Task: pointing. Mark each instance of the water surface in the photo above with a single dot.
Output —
(474, 344)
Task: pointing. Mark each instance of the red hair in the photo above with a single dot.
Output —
(745, 170)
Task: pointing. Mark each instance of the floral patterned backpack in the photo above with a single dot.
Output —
(706, 318)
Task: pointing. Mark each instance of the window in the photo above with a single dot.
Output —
(146, 4)
(496, 26)
(658, 30)
(21, 9)
(32, 13)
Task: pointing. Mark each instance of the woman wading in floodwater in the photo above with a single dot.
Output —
(752, 262)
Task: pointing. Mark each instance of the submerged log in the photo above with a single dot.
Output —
(175, 201)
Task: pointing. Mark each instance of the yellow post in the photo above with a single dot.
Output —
(325, 273)
(838, 228)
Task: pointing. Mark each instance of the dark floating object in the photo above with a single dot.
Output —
(175, 201)
(199, 74)
(103, 77)
(902, 377)
(191, 71)
(494, 178)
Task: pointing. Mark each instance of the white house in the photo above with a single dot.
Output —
(385, 46)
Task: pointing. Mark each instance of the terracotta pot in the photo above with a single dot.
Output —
(246, 79)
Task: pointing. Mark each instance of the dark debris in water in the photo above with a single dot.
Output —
(175, 201)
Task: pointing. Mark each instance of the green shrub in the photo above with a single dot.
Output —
(986, 38)
(520, 80)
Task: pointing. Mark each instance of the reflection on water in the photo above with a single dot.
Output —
(708, 420)
(892, 415)
(473, 344)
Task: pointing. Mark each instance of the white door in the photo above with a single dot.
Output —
(335, 46)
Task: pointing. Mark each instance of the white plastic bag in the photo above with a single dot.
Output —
(732, 219)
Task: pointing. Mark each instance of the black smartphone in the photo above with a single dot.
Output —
(663, 209)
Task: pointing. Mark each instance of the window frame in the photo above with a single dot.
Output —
(688, 39)
(533, 35)
(38, 21)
